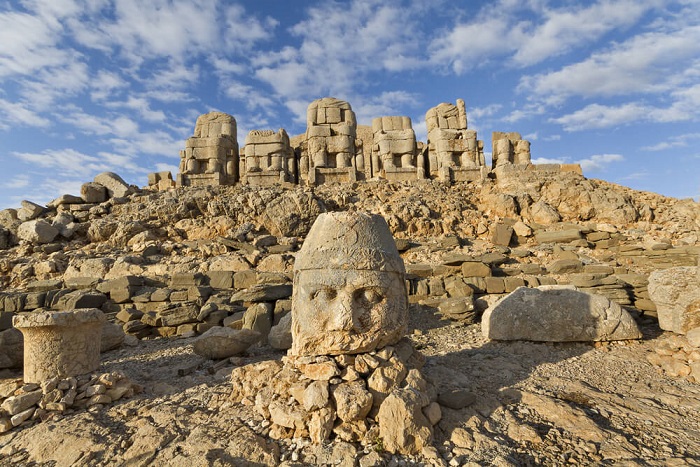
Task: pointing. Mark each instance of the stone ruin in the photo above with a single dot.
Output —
(454, 153)
(348, 375)
(395, 153)
(509, 148)
(269, 158)
(334, 150)
(210, 156)
(331, 151)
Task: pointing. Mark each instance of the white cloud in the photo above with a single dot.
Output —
(498, 31)
(18, 114)
(563, 29)
(599, 162)
(640, 64)
(595, 116)
(679, 141)
(65, 163)
(546, 160)
(19, 181)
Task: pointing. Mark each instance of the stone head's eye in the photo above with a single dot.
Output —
(325, 293)
(368, 297)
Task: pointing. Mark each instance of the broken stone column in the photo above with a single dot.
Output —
(454, 153)
(395, 154)
(60, 343)
(210, 156)
(349, 295)
(330, 151)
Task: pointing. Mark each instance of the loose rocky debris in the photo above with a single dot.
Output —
(23, 404)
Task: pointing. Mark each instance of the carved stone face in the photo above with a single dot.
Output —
(347, 311)
(349, 293)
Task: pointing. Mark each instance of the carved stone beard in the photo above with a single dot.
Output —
(336, 311)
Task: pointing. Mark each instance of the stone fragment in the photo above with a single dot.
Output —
(63, 343)
(93, 193)
(37, 231)
(676, 293)
(352, 400)
(11, 348)
(258, 317)
(558, 236)
(456, 398)
(29, 211)
(693, 337)
(112, 337)
(280, 336)
(502, 234)
(222, 342)
(263, 293)
(461, 308)
(349, 293)
(402, 426)
(475, 269)
(555, 314)
(543, 213)
(115, 185)
(16, 404)
(565, 266)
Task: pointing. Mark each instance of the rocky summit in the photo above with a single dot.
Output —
(518, 316)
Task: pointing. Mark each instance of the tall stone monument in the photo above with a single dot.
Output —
(395, 153)
(454, 153)
(349, 294)
(269, 158)
(330, 151)
(210, 156)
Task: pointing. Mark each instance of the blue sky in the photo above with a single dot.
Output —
(94, 85)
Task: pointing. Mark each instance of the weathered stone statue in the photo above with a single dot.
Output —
(269, 158)
(395, 153)
(509, 148)
(331, 152)
(454, 153)
(349, 293)
(211, 155)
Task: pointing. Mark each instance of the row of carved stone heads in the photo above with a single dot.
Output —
(336, 149)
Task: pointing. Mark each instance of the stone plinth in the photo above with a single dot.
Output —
(60, 343)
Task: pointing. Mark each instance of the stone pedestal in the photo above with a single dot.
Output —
(60, 343)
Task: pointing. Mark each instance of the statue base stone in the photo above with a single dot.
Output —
(353, 398)
(60, 343)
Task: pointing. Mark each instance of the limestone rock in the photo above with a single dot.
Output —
(112, 337)
(676, 293)
(222, 342)
(37, 231)
(402, 426)
(555, 314)
(29, 211)
(115, 185)
(352, 400)
(93, 193)
(543, 213)
(11, 348)
(280, 336)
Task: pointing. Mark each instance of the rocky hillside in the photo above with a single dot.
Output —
(166, 266)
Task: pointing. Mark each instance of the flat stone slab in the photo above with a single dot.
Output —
(557, 314)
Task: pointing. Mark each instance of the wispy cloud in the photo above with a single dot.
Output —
(679, 141)
(599, 162)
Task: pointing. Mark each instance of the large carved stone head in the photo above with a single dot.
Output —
(349, 290)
